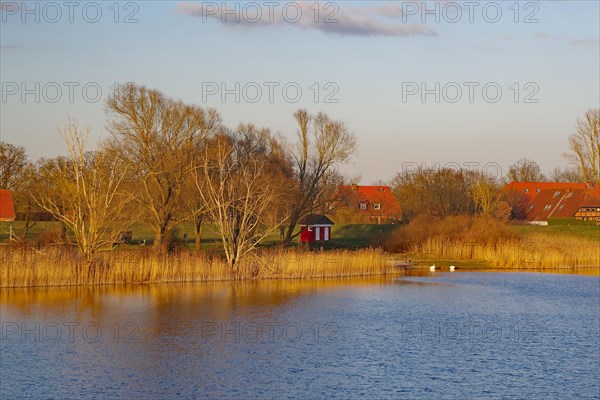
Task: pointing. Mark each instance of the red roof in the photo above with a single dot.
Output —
(561, 203)
(7, 208)
(372, 196)
(532, 189)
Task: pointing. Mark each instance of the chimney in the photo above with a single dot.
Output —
(355, 187)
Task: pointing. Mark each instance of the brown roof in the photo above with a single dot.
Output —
(561, 203)
(532, 189)
(7, 208)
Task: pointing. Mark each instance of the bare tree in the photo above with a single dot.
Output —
(50, 184)
(435, 192)
(525, 170)
(323, 145)
(235, 182)
(28, 182)
(86, 195)
(584, 146)
(485, 194)
(12, 162)
(566, 175)
(195, 205)
(160, 137)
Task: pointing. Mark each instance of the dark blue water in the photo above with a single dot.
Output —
(453, 335)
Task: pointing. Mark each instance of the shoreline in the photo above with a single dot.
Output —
(403, 271)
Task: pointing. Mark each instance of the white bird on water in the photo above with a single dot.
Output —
(452, 267)
(432, 268)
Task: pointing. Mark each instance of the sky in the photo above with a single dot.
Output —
(478, 85)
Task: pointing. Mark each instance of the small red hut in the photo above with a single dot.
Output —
(315, 228)
(7, 208)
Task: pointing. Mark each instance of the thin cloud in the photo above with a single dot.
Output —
(584, 42)
(345, 21)
(542, 35)
(10, 46)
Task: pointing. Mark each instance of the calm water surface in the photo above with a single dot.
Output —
(444, 335)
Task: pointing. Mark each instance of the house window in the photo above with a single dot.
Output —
(570, 194)
(556, 194)
(537, 190)
(362, 206)
(548, 206)
(526, 190)
(376, 206)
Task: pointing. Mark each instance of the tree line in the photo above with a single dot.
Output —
(448, 192)
(167, 162)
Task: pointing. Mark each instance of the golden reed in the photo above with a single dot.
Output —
(532, 252)
(62, 266)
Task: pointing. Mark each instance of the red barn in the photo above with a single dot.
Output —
(7, 208)
(315, 228)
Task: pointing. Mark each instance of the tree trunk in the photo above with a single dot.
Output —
(162, 238)
(198, 232)
(28, 222)
(293, 222)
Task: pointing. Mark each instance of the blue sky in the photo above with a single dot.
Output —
(366, 61)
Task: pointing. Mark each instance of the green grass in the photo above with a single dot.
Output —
(343, 236)
(588, 232)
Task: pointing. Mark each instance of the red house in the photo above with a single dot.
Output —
(371, 204)
(581, 204)
(7, 207)
(536, 201)
(315, 228)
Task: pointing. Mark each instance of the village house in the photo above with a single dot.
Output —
(369, 204)
(545, 200)
(7, 207)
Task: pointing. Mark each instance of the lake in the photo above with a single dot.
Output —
(439, 335)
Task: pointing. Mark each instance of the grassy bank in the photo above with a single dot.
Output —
(343, 235)
(61, 266)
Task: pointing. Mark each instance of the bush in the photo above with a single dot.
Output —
(481, 229)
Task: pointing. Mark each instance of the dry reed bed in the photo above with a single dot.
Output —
(62, 266)
(533, 251)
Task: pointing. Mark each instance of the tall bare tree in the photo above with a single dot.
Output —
(322, 146)
(235, 181)
(13, 160)
(584, 146)
(525, 170)
(160, 137)
(87, 194)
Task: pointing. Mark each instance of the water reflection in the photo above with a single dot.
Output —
(394, 337)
